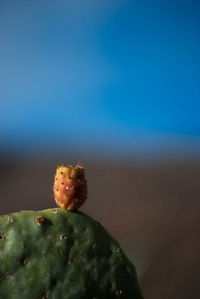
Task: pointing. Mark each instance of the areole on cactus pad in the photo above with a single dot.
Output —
(57, 253)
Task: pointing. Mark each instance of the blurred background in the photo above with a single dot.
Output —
(113, 85)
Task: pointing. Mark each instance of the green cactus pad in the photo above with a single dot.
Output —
(62, 254)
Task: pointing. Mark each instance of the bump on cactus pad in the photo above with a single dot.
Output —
(61, 254)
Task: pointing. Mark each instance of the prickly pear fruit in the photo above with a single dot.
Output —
(70, 187)
(61, 254)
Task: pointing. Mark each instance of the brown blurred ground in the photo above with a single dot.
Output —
(151, 209)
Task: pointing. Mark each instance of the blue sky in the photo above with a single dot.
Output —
(112, 76)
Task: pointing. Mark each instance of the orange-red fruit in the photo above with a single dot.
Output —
(70, 187)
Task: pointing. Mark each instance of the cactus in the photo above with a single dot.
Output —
(57, 253)
(62, 254)
(70, 187)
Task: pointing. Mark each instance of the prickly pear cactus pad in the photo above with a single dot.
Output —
(57, 254)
